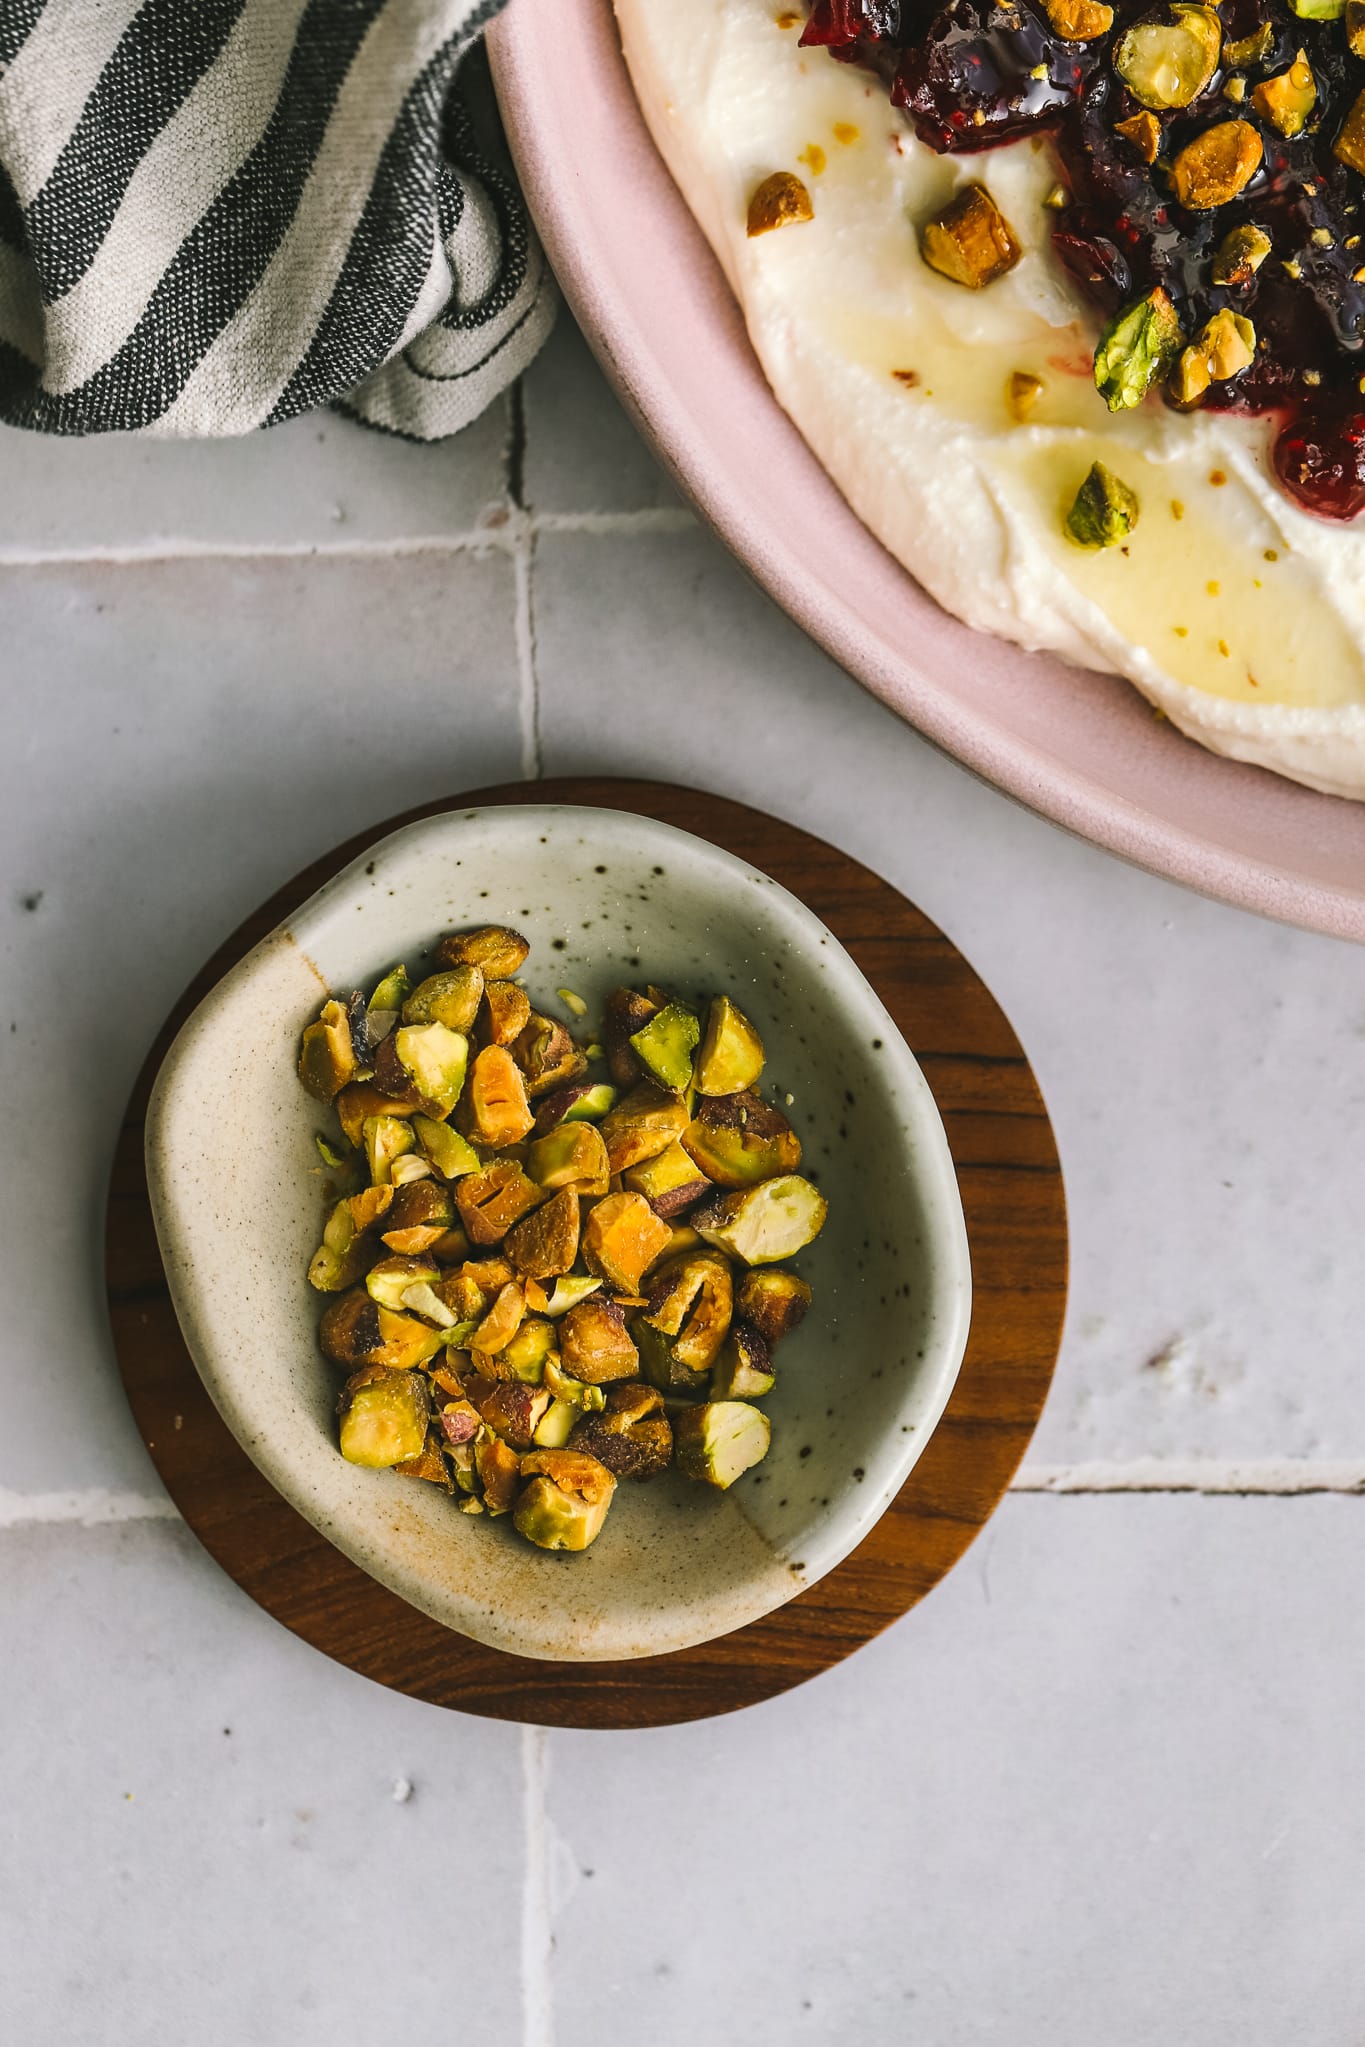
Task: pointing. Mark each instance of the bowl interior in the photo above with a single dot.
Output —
(603, 897)
(1083, 749)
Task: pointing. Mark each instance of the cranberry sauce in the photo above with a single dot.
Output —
(971, 74)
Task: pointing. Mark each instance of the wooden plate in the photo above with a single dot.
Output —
(1016, 1219)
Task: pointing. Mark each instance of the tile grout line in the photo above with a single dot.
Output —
(502, 534)
(1287, 1478)
(537, 1939)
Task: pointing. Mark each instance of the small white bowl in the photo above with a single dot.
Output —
(604, 897)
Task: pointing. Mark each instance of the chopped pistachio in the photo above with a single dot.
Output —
(333, 1159)
(1235, 89)
(545, 1244)
(780, 201)
(494, 1198)
(1169, 63)
(339, 1260)
(721, 1440)
(570, 1153)
(451, 1154)
(360, 1100)
(774, 1303)
(495, 950)
(731, 1055)
(575, 1004)
(671, 1182)
(1319, 10)
(631, 1436)
(1240, 255)
(1057, 198)
(502, 1321)
(1224, 346)
(357, 1331)
(451, 999)
(570, 1290)
(689, 1310)
(389, 1281)
(566, 1500)
(738, 1140)
(1249, 49)
(556, 1425)
(383, 1418)
(411, 1166)
(1022, 392)
(499, 1469)
(1350, 144)
(744, 1369)
(525, 1355)
(1136, 350)
(594, 1343)
(493, 1110)
(622, 1239)
(422, 1299)
(1105, 510)
(1217, 165)
(515, 1411)
(547, 1055)
(576, 1392)
(1144, 132)
(763, 1225)
(327, 1060)
(644, 1123)
(391, 993)
(1078, 21)
(1288, 99)
(385, 1138)
(582, 1101)
(506, 1012)
(430, 1058)
(970, 240)
(666, 1044)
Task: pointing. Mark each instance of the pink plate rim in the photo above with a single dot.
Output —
(1081, 750)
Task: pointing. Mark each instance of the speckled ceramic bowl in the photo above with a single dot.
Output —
(603, 897)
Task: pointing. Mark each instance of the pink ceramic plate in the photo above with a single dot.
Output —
(1084, 750)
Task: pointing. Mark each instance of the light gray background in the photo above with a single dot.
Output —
(1105, 1786)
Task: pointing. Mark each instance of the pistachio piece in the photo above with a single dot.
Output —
(499, 1468)
(1136, 350)
(361, 1100)
(339, 1260)
(689, 1309)
(1144, 132)
(419, 1206)
(494, 1198)
(622, 1238)
(525, 1355)
(495, 950)
(1355, 27)
(493, 1109)
(515, 1411)
(569, 1291)
(567, 1155)
(779, 201)
(1169, 63)
(383, 1418)
(506, 1012)
(390, 995)
(566, 1500)
(575, 1393)
(642, 1125)
(389, 1280)
(429, 1058)
(547, 1055)
(670, 1182)
(1223, 348)
(632, 1436)
(1078, 21)
(738, 1140)
(1349, 147)
(763, 1225)
(357, 1331)
(385, 1139)
(411, 1166)
(451, 999)
(1240, 255)
(772, 1302)
(1217, 165)
(1022, 392)
(1319, 10)
(428, 1464)
(502, 1321)
(1249, 49)
(970, 240)
(595, 1344)
(581, 1102)
(1289, 98)
(1105, 511)
(556, 1425)
(451, 1154)
(719, 1441)
(546, 1243)
(731, 1055)
(327, 1060)
(744, 1369)
(626, 1011)
(665, 1045)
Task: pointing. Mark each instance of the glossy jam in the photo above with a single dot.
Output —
(971, 75)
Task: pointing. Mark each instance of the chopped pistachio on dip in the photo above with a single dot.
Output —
(913, 321)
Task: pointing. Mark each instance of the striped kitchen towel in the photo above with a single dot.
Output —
(215, 214)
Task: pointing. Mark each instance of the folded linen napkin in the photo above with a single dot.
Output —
(215, 214)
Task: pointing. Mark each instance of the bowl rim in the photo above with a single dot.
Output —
(934, 1172)
(643, 339)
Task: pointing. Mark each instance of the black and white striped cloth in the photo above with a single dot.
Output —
(216, 214)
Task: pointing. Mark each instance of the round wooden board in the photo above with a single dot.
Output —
(1016, 1219)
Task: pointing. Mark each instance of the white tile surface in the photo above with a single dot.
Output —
(1205, 1070)
(1105, 1786)
(1095, 1789)
(314, 482)
(202, 1839)
(192, 734)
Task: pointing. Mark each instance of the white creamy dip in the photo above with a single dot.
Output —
(1240, 616)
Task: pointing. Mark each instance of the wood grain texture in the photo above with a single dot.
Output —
(1012, 1193)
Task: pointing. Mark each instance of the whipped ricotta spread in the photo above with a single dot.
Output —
(1241, 617)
